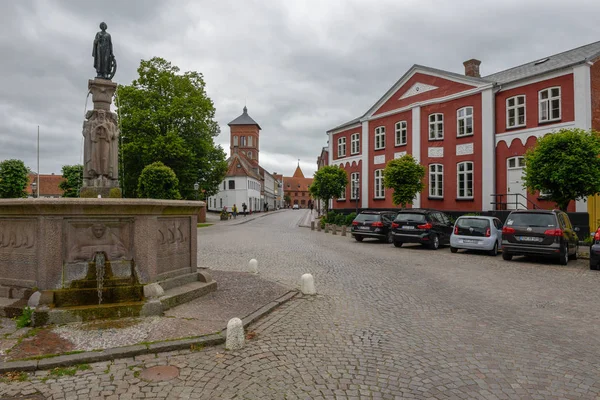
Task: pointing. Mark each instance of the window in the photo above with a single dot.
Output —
(401, 130)
(231, 185)
(354, 185)
(464, 119)
(250, 155)
(516, 162)
(235, 141)
(515, 111)
(380, 138)
(436, 126)
(243, 141)
(379, 191)
(436, 180)
(221, 202)
(224, 187)
(342, 195)
(465, 180)
(342, 147)
(354, 143)
(549, 104)
(250, 141)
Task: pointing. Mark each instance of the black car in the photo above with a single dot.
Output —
(427, 227)
(373, 224)
(539, 233)
(595, 252)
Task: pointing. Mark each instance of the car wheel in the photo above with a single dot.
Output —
(453, 250)
(358, 238)
(397, 244)
(564, 257)
(594, 267)
(494, 252)
(435, 242)
(506, 256)
(574, 256)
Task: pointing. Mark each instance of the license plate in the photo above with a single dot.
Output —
(530, 239)
(364, 228)
(470, 241)
(408, 227)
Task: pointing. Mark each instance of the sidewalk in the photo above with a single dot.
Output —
(215, 218)
(239, 294)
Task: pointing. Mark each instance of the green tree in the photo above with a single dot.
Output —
(287, 199)
(157, 181)
(564, 165)
(404, 175)
(73, 179)
(167, 116)
(13, 179)
(328, 182)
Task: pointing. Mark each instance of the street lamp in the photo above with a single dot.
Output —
(33, 187)
(196, 187)
(355, 182)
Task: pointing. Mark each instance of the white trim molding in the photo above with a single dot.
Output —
(344, 128)
(345, 160)
(583, 97)
(416, 145)
(330, 149)
(416, 89)
(540, 78)
(488, 149)
(364, 189)
(525, 134)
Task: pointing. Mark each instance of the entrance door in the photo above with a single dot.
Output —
(514, 173)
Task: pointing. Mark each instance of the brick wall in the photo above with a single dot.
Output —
(595, 81)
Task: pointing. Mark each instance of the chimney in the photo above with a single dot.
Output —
(472, 68)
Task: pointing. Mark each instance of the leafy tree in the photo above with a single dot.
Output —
(13, 179)
(157, 181)
(287, 199)
(565, 165)
(328, 182)
(73, 179)
(404, 175)
(167, 116)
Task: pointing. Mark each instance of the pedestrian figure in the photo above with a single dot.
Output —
(244, 207)
(234, 211)
(311, 207)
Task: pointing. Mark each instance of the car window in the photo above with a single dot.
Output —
(497, 223)
(367, 217)
(435, 217)
(446, 219)
(414, 217)
(482, 223)
(386, 217)
(567, 221)
(531, 219)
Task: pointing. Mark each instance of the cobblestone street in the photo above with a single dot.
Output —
(387, 323)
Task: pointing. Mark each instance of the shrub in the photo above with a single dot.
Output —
(340, 219)
(115, 193)
(157, 181)
(25, 318)
(349, 218)
(87, 193)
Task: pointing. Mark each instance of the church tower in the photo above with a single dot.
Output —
(244, 137)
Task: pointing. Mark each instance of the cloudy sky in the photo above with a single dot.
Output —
(302, 67)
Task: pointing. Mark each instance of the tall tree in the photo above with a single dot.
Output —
(73, 179)
(167, 116)
(13, 179)
(564, 165)
(404, 175)
(328, 182)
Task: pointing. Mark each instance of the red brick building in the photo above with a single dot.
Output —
(470, 132)
(296, 187)
(48, 185)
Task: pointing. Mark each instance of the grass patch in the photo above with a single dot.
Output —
(68, 371)
(44, 356)
(14, 376)
(24, 319)
(203, 225)
(196, 347)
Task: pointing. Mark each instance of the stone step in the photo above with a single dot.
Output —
(88, 297)
(182, 294)
(92, 284)
(87, 313)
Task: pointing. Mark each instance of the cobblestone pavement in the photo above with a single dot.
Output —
(387, 323)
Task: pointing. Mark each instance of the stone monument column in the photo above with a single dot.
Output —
(100, 128)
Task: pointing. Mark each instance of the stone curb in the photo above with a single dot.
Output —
(138, 349)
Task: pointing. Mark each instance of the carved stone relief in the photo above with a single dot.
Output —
(464, 149)
(173, 241)
(18, 249)
(84, 239)
(399, 154)
(379, 159)
(435, 152)
(417, 88)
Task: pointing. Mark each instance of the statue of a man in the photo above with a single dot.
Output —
(104, 59)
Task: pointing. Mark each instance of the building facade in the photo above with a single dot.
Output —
(470, 132)
(296, 188)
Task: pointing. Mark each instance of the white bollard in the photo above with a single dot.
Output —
(307, 284)
(253, 265)
(235, 335)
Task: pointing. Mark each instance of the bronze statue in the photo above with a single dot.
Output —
(104, 59)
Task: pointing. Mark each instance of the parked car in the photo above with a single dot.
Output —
(539, 233)
(477, 233)
(373, 224)
(428, 227)
(295, 207)
(595, 252)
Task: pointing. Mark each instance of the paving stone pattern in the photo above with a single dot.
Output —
(387, 323)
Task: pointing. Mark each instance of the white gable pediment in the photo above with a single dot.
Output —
(417, 88)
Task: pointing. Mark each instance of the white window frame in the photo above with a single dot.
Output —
(436, 181)
(401, 133)
(249, 155)
(464, 174)
(343, 194)
(548, 102)
(355, 143)
(355, 176)
(342, 147)
(515, 107)
(242, 141)
(438, 122)
(380, 138)
(379, 189)
(235, 141)
(465, 119)
(249, 141)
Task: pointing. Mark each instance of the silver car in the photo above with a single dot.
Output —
(477, 233)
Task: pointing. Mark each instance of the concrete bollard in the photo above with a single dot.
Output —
(307, 284)
(319, 226)
(235, 335)
(312, 225)
(334, 229)
(326, 228)
(253, 266)
(343, 230)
